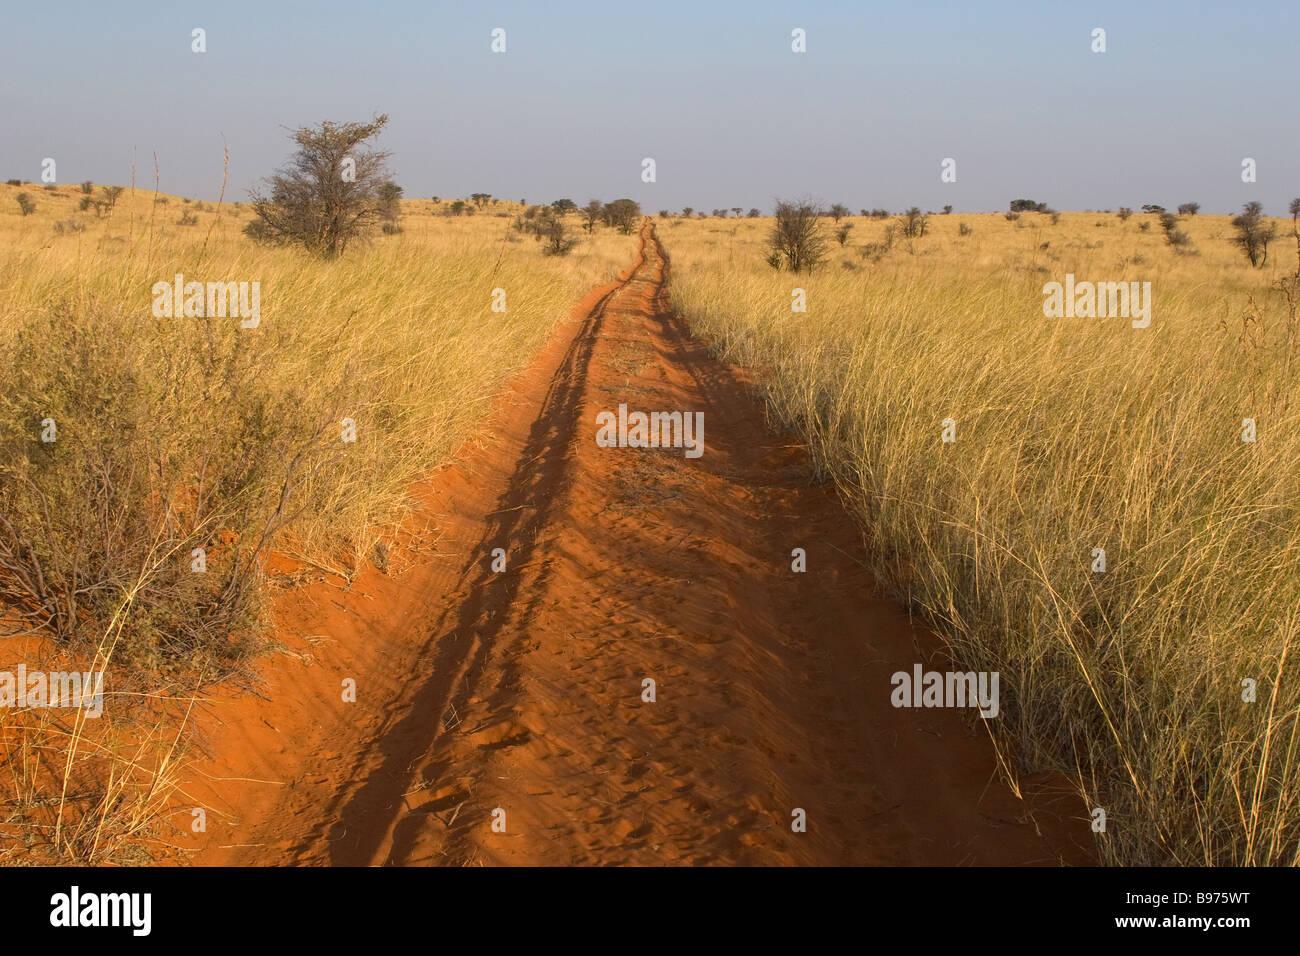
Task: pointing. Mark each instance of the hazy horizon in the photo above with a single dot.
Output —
(731, 116)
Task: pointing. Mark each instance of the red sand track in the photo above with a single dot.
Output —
(522, 690)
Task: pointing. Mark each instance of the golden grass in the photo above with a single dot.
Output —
(183, 434)
(1072, 434)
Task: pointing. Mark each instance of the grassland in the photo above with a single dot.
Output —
(1072, 435)
(175, 435)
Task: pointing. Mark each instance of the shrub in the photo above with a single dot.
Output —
(914, 223)
(1254, 233)
(797, 238)
(111, 196)
(307, 201)
(622, 214)
(555, 237)
(25, 204)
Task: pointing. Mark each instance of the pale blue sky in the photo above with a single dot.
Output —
(711, 91)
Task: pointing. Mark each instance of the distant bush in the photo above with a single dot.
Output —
(797, 239)
(1189, 209)
(1027, 205)
(188, 219)
(623, 214)
(1254, 233)
(87, 187)
(25, 204)
(257, 230)
(964, 230)
(1124, 213)
(13, 182)
(914, 223)
(549, 228)
(111, 196)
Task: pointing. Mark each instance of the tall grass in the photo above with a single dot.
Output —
(1072, 435)
(188, 440)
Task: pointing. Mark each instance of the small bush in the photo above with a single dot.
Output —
(964, 230)
(13, 182)
(87, 187)
(25, 204)
(1254, 233)
(796, 237)
(188, 219)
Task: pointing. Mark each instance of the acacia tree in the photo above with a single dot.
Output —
(797, 237)
(591, 212)
(1254, 233)
(330, 192)
(623, 214)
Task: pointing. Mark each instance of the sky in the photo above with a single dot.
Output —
(711, 91)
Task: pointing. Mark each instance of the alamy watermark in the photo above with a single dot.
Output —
(651, 430)
(950, 689)
(24, 688)
(197, 300)
(1102, 300)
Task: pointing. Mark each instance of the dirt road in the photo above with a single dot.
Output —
(501, 716)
